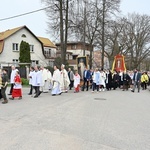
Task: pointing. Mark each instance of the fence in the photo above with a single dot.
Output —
(22, 71)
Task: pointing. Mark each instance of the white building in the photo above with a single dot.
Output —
(49, 50)
(10, 44)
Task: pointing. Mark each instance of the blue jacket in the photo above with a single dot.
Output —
(88, 74)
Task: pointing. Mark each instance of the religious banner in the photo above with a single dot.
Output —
(119, 63)
(82, 62)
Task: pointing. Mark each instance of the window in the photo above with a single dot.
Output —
(15, 62)
(31, 48)
(75, 56)
(51, 63)
(68, 56)
(73, 46)
(49, 52)
(34, 62)
(37, 62)
(15, 47)
(58, 47)
(23, 35)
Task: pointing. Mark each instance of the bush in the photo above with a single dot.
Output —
(24, 81)
(51, 69)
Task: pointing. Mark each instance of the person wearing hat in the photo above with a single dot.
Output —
(64, 79)
(56, 90)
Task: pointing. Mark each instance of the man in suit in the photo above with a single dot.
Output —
(86, 78)
(136, 80)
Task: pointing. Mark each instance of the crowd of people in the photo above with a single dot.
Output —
(41, 80)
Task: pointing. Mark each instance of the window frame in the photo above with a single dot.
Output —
(15, 47)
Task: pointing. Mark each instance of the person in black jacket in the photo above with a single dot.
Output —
(126, 80)
(136, 80)
(108, 80)
(86, 77)
(115, 80)
(4, 86)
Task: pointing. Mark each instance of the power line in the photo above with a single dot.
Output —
(31, 12)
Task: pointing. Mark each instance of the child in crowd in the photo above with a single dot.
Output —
(17, 88)
(76, 82)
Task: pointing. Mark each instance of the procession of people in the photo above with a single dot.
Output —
(41, 80)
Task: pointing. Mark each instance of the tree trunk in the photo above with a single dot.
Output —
(61, 32)
(66, 30)
(91, 56)
(103, 33)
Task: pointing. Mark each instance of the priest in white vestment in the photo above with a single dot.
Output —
(64, 79)
(44, 84)
(102, 80)
(56, 90)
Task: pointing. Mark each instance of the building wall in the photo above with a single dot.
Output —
(97, 61)
(76, 49)
(79, 52)
(76, 46)
(53, 51)
(8, 54)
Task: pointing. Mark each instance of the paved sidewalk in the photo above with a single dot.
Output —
(114, 120)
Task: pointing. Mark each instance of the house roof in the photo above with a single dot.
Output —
(9, 32)
(46, 42)
(1, 46)
(4, 35)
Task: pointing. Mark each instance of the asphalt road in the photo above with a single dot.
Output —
(114, 120)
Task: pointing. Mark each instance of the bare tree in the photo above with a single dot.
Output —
(109, 7)
(115, 39)
(129, 36)
(58, 21)
(87, 24)
(137, 36)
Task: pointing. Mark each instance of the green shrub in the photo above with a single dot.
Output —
(24, 81)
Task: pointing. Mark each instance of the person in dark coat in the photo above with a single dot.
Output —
(4, 86)
(71, 78)
(136, 80)
(108, 80)
(91, 78)
(115, 80)
(86, 77)
(126, 80)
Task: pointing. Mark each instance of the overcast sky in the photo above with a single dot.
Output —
(37, 22)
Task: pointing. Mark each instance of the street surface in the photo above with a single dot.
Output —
(114, 120)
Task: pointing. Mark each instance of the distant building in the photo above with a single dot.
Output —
(74, 50)
(97, 60)
(10, 45)
(49, 50)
